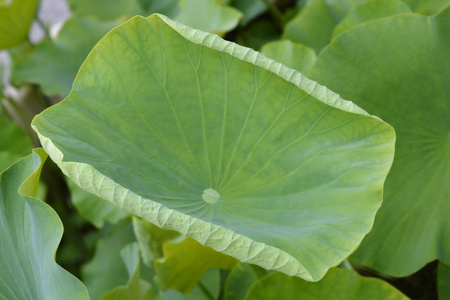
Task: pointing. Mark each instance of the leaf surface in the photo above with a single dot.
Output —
(292, 55)
(239, 281)
(314, 24)
(338, 284)
(398, 68)
(213, 140)
(186, 261)
(30, 232)
(372, 10)
(208, 15)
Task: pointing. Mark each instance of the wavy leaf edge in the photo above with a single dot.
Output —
(207, 234)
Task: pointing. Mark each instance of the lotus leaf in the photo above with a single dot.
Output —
(216, 141)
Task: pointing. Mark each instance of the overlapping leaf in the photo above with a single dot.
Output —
(398, 68)
(222, 144)
(30, 232)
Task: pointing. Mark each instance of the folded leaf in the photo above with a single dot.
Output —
(202, 136)
(30, 232)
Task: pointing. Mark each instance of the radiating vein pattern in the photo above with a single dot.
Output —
(220, 134)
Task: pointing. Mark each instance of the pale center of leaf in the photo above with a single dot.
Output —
(210, 196)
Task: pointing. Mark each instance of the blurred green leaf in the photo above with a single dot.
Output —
(136, 288)
(375, 9)
(292, 55)
(107, 270)
(167, 7)
(208, 15)
(428, 7)
(106, 9)
(398, 68)
(151, 239)
(210, 281)
(257, 34)
(185, 261)
(14, 143)
(338, 284)
(94, 209)
(30, 232)
(54, 64)
(239, 282)
(250, 9)
(15, 21)
(314, 24)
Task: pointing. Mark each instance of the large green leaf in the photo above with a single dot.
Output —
(314, 24)
(15, 21)
(292, 55)
(374, 9)
(53, 64)
(399, 69)
(186, 261)
(216, 141)
(338, 284)
(30, 232)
